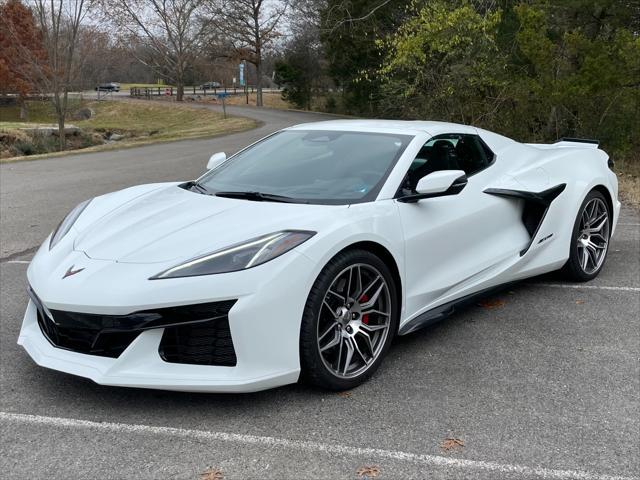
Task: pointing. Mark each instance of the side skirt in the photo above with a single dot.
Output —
(445, 310)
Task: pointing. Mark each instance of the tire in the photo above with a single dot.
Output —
(360, 326)
(589, 239)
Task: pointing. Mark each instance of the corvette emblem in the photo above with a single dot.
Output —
(71, 271)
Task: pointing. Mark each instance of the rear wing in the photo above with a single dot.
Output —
(568, 142)
(577, 142)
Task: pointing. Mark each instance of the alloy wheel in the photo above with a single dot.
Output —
(593, 236)
(354, 320)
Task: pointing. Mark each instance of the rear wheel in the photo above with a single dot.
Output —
(349, 321)
(590, 239)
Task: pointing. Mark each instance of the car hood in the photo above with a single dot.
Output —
(170, 223)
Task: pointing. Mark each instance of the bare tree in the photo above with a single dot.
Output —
(54, 72)
(171, 31)
(249, 27)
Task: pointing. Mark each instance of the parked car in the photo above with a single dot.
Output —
(108, 87)
(210, 85)
(305, 254)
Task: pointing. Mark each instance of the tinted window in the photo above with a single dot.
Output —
(312, 165)
(449, 152)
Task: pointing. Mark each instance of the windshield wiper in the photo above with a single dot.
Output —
(195, 186)
(258, 197)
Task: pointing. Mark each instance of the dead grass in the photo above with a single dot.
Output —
(269, 99)
(161, 121)
(139, 123)
(628, 172)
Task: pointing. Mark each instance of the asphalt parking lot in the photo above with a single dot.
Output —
(539, 381)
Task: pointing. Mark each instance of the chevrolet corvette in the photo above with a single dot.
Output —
(302, 256)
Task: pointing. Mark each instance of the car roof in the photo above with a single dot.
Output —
(412, 127)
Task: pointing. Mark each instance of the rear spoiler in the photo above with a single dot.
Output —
(577, 142)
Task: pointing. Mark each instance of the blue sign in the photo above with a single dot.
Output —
(241, 77)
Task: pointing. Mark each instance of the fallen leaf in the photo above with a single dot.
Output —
(368, 471)
(490, 303)
(344, 394)
(449, 444)
(211, 474)
(579, 302)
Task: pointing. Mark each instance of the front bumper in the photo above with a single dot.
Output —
(264, 324)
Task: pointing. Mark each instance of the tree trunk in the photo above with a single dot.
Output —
(60, 114)
(180, 91)
(24, 114)
(259, 83)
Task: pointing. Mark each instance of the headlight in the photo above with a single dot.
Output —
(239, 256)
(65, 225)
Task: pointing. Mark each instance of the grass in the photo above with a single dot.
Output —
(138, 122)
(37, 112)
(269, 99)
(161, 121)
(128, 86)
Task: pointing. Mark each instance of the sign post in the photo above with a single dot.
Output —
(243, 67)
(222, 96)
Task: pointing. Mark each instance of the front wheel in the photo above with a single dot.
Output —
(590, 239)
(349, 321)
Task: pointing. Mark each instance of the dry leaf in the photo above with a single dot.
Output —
(368, 471)
(579, 302)
(211, 474)
(344, 394)
(490, 303)
(451, 444)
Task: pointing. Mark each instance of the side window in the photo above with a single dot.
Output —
(453, 151)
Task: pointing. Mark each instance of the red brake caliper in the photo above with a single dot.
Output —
(365, 318)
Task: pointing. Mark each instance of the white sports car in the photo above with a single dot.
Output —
(306, 253)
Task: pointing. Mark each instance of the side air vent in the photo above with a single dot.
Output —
(206, 343)
(536, 206)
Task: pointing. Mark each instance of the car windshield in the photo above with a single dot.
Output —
(311, 166)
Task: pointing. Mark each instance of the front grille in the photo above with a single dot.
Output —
(90, 339)
(110, 335)
(206, 343)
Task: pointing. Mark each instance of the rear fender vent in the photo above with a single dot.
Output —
(536, 206)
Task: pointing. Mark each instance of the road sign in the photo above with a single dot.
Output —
(241, 75)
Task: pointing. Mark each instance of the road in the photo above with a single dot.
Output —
(541, 381)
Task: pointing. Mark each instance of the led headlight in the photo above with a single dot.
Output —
(239, 256)
(65, 225)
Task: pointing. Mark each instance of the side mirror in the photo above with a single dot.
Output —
(215, 160)
(437, 184)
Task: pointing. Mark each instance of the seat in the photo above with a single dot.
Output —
(442, 156)
(466, 157)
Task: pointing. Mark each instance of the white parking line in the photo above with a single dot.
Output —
(581, 286)
(19, 261)
(315, 447)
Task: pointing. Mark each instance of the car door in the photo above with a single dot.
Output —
(455, 243)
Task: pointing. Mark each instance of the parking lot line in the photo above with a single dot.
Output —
(582, 286)
(19, 261)
(316, 447)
